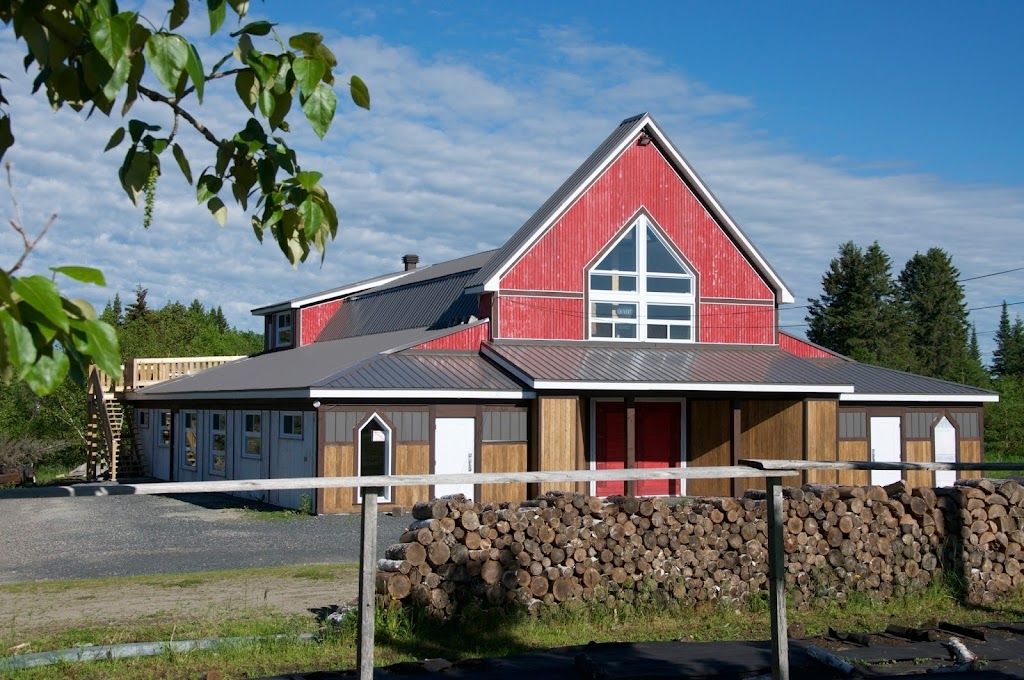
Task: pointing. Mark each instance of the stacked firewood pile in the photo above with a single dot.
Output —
(883, 541)
(988, 517)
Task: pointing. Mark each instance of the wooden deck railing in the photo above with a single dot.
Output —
(144, 372)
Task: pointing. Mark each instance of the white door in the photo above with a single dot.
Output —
(885, 448)
(945, 452)
(454, 449)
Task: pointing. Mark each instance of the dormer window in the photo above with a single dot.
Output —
(283, 329)
(641, 290)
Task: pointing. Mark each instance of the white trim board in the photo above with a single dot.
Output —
(927, 398)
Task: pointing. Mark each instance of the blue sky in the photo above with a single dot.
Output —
(814, 123)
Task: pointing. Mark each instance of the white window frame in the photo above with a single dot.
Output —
(214, 433)
(285, 415)
(641, 297)
(389, 442)
(185, 429)
(248, 434)
(280, 327)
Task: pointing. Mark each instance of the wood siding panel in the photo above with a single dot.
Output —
(919, 452)
(710, 428)
(411, 459)
(821, 427)
(468, 339)
(339, 460)
(314, 318)
(773, 430)
(640, 177)
(546, 318)
(854, 450)
(505, 457)
(969, 452)
(560, 442)
(802, 348)
(743, 324)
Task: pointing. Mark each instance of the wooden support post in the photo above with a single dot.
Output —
(630, 443)
(777, 582)
(736, 443)
(367, 572)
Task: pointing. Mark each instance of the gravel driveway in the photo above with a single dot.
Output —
(58, 538)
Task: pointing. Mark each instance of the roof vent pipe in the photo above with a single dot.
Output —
(410, 261)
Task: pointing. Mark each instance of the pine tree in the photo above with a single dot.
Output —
(976, 374)
(138, 310)
(857, 314)
(1008, 357)
(937, 313)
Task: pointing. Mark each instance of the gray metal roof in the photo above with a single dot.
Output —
(668, 364)
(547, 210)
(868, 379)
(290, 369)
(423, 370)
(433, 297)
(346, 289)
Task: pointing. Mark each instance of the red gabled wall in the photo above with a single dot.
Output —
(314, 318)
(640, 178)
(802, 348)
(745, 324)
(466, 339)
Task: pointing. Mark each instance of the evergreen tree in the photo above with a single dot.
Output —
(934, 303)
(857, 314)
(1008, 356)
(137, 310)
(976, 373)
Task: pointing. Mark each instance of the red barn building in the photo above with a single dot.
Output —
(628, 323)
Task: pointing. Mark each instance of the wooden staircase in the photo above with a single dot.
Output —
(112, 447)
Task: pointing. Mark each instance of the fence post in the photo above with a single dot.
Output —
(367, 570)
(777, 582)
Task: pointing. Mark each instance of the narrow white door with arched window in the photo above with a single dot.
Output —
(945, 451)
(454, 452)
(375, 455)
(885, 448)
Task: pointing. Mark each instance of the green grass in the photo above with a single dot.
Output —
(50, 473)
(404, 635)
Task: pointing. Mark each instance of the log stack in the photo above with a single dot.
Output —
(880, 541)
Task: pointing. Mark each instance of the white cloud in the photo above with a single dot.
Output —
(458, 152)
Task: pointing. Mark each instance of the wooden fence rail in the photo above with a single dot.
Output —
(772, 470)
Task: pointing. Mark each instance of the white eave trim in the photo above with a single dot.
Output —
(926, 398)
(327, 393)
(330, 294)
(759, 388)
(233, 394)
(783, 292)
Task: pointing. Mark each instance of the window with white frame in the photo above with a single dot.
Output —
(188, 441)
(253, 436)
(641, 290)
(218, 442)
(375, 455)
(283, 329)
(291, 425)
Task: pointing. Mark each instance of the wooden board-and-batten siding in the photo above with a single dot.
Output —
(559, 424)
(709, 425)
(821, 438)
(501, 447)
(774, 429)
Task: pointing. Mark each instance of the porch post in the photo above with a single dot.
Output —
(630, 443)
(777, 581)
(367, 569)
(736, 442)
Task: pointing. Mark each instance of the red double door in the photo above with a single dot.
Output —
(658, 443)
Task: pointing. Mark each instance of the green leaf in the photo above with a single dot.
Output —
(319, 108)
(101, 345)
(83, 274)
(247, 88)
(360, 93)
(308, 179)
(218, 209)
(137, 127)
(41, 294)
(218, 12)
(255, 28)
(21, 351)
(179, 13)
(266, 101)
(194, 67)
(134, 173)
(306, 42)
(167, 54)
(179, 156)
(110, 36)
(6, 136)
(207, 187)
(47, 373)
(312, 217)
(241, 7)
(116, 81)
(309, 71)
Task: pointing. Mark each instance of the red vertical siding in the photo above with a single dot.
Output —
(548, 318)
(467, 339)
(641, 177)
(314, 318)
(745, 324)
(802, 348)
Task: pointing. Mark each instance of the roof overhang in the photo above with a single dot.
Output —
(923, 398)
(646, 122)
(327, 393)
(316, 298)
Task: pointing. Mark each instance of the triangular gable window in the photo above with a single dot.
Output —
(630, 302)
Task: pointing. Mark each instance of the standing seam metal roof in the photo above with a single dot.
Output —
(868, 379)
(428, 371)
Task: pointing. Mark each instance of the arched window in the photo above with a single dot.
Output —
(375, 455)
(641, 290)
